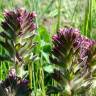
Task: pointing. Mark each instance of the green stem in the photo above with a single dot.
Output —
(88, 19)
(42, 77)
(1, 64)
(58, 20)
(30, 74)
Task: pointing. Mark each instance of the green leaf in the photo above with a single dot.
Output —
(53, 90)
(44, 35)
(2, 90)
(28, 35)
(47, 48)
(5, 58)
(49, 68)
(58, 76)
(46, 56)
(4, 35)
(1, 17)
(9, 47)
(9, 31)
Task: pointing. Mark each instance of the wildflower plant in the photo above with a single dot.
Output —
(14, 85)
(17, 40)
(74, 57)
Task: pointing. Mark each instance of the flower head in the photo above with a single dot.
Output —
(75, 57)
(86, 47)
(19, 22)
(65, 44)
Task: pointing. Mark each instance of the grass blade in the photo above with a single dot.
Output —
(88, 19)
(59, 13)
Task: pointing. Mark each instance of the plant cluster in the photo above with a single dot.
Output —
(74, 56)
(16, 39)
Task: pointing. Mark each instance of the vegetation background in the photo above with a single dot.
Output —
(51, 15)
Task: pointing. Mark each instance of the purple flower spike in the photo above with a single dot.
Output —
(85, 46)
(74, 56)
(66, 36)
(19, 22)
(18, 86)
(65, 44)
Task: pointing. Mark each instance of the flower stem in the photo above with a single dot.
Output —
(58, 20)
(30, 74)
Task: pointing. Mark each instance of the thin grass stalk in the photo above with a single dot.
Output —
(58, 18)
(40, 63)
(35, 72)
(36, 9)
(47, 8)
(88, 19)
(42, 77)
(29, 4)
(1, 5)
(30, 74)
(10, 5)
(74, 13)
(49, 5)
(34, 79)
(0, 64)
